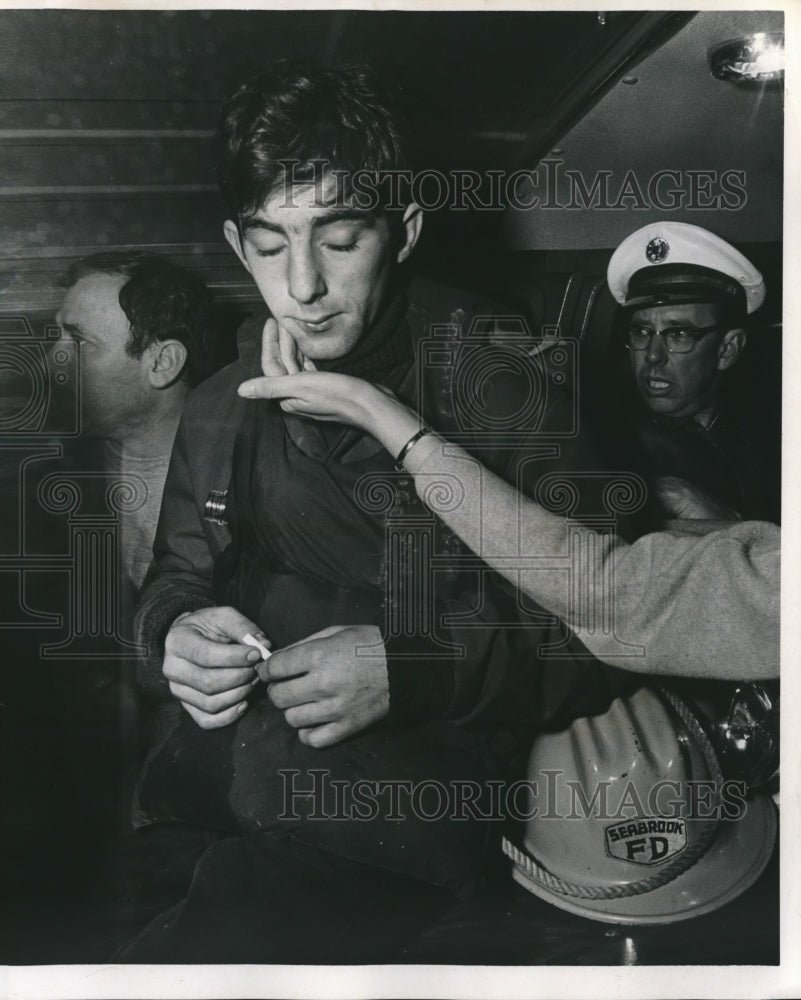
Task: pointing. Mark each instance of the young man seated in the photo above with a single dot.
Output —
(402, 671)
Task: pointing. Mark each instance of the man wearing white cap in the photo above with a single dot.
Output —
(686, 296)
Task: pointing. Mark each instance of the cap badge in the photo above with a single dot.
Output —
(657, 250)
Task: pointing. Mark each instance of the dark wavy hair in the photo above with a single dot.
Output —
(162, 301)
(305, 114)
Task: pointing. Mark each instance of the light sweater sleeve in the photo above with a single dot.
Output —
(702, 606)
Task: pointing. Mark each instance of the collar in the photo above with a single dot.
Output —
(704, 421)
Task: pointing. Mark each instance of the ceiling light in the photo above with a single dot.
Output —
(757, 58)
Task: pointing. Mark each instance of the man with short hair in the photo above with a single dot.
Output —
(144, 330)
(387, 672)
(144, 335)
(686, 298)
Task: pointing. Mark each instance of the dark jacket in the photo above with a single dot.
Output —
(323, 531)
(502, 406)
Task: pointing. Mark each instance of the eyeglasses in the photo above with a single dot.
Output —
(677, 339)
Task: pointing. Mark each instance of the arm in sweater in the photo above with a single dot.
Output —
(704, 606)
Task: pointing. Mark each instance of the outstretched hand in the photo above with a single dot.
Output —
(294, 381)
(322, 395)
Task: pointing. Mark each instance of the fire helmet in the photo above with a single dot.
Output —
(631, 820)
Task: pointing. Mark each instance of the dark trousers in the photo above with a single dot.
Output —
(390, 798)
(259, 900)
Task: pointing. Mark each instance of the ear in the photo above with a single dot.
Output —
(731, 347)
(412, 226)
(231, 233)
(168, 360)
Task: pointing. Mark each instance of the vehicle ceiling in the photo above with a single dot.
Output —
(106, 119)
(669, 113)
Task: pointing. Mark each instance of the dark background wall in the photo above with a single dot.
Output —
(107, 117)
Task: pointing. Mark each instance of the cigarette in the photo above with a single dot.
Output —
(251, 640)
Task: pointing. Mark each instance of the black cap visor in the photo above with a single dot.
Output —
(684, 284)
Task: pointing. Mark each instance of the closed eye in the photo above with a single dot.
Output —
(342, 247)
